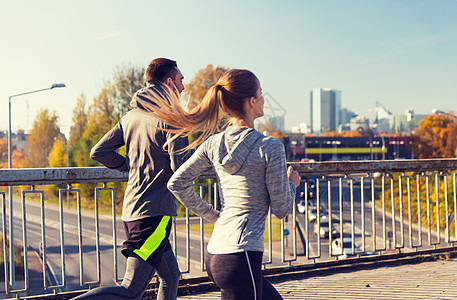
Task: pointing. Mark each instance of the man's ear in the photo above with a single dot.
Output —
(169, 82)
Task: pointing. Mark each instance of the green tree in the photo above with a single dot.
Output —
(41, 138)
(205, 78)
(126, 81)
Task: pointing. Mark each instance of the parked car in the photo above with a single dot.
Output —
(322, 228)
(344, 249)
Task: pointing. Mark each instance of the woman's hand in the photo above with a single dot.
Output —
(293, 175)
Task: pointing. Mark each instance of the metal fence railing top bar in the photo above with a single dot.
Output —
(60, 176)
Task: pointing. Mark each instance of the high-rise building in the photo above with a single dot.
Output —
(325, 109)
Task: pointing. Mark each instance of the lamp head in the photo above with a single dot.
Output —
(57, 85)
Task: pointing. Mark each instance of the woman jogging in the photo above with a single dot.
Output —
(251, 170)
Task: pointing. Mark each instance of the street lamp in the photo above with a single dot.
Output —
(10, 165)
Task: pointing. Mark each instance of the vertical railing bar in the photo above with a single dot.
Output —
(294, 230)
(362, 207)
(392, 200)
(455, 207)
(294, 257)
(437, 203)
(24, 238)
(446, 239)
(340, 203)
(410, 218)
(80, 240)
(428, 212)
(97, 240)
(202, 237)
(351, 191)
(174, 238)
(114, 224)
(62, 244)
(383, 198)
(24, 242)
(318, 217)
(402, 228)
(283, 257)
(373, 214)
(5, 256)
(187, 241)
(202, 245)
(43, 242)
(419, 210)
(330, 217)
(306, 221)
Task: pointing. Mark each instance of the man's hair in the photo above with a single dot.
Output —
(160, 69)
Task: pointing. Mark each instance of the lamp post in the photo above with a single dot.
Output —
(10, 165)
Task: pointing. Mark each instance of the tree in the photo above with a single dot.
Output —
(126, 81)
(436, 137)
(41, 138)
(200, 84)
(58, 155)
(79, 120)
(18, 158)
(107, 108)
(3, 152)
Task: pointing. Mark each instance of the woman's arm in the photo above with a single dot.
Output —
(281, 189)
(180, 185)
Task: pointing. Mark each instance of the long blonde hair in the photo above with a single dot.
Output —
(227, 96)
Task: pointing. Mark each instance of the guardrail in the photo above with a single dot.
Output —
(355, 208)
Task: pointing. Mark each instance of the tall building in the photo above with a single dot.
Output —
(325, 109)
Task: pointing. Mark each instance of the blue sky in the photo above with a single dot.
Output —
(400, 53)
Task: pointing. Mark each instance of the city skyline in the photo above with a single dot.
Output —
(293, 47)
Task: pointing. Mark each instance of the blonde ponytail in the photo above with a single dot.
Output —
(228, 95)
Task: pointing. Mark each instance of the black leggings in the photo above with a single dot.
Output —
(239, 276)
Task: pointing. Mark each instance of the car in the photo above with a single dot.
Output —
(344, 249)
(301, 205)
(322, 228)
(312, 213)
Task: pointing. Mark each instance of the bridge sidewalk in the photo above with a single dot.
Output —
(422, 278)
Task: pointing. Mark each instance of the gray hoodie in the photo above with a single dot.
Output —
(251, 171)
(149, 166)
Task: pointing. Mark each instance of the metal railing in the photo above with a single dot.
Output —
(357, 208)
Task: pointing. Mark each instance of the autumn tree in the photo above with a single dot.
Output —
(204, 79)
(41, 138)
(58, 155)
(436, 137)
(3, 152)
(90, 124)
(79, 120)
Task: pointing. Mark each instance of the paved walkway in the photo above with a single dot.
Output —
(421, 280)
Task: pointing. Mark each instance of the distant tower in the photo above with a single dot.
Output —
(325, 109)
